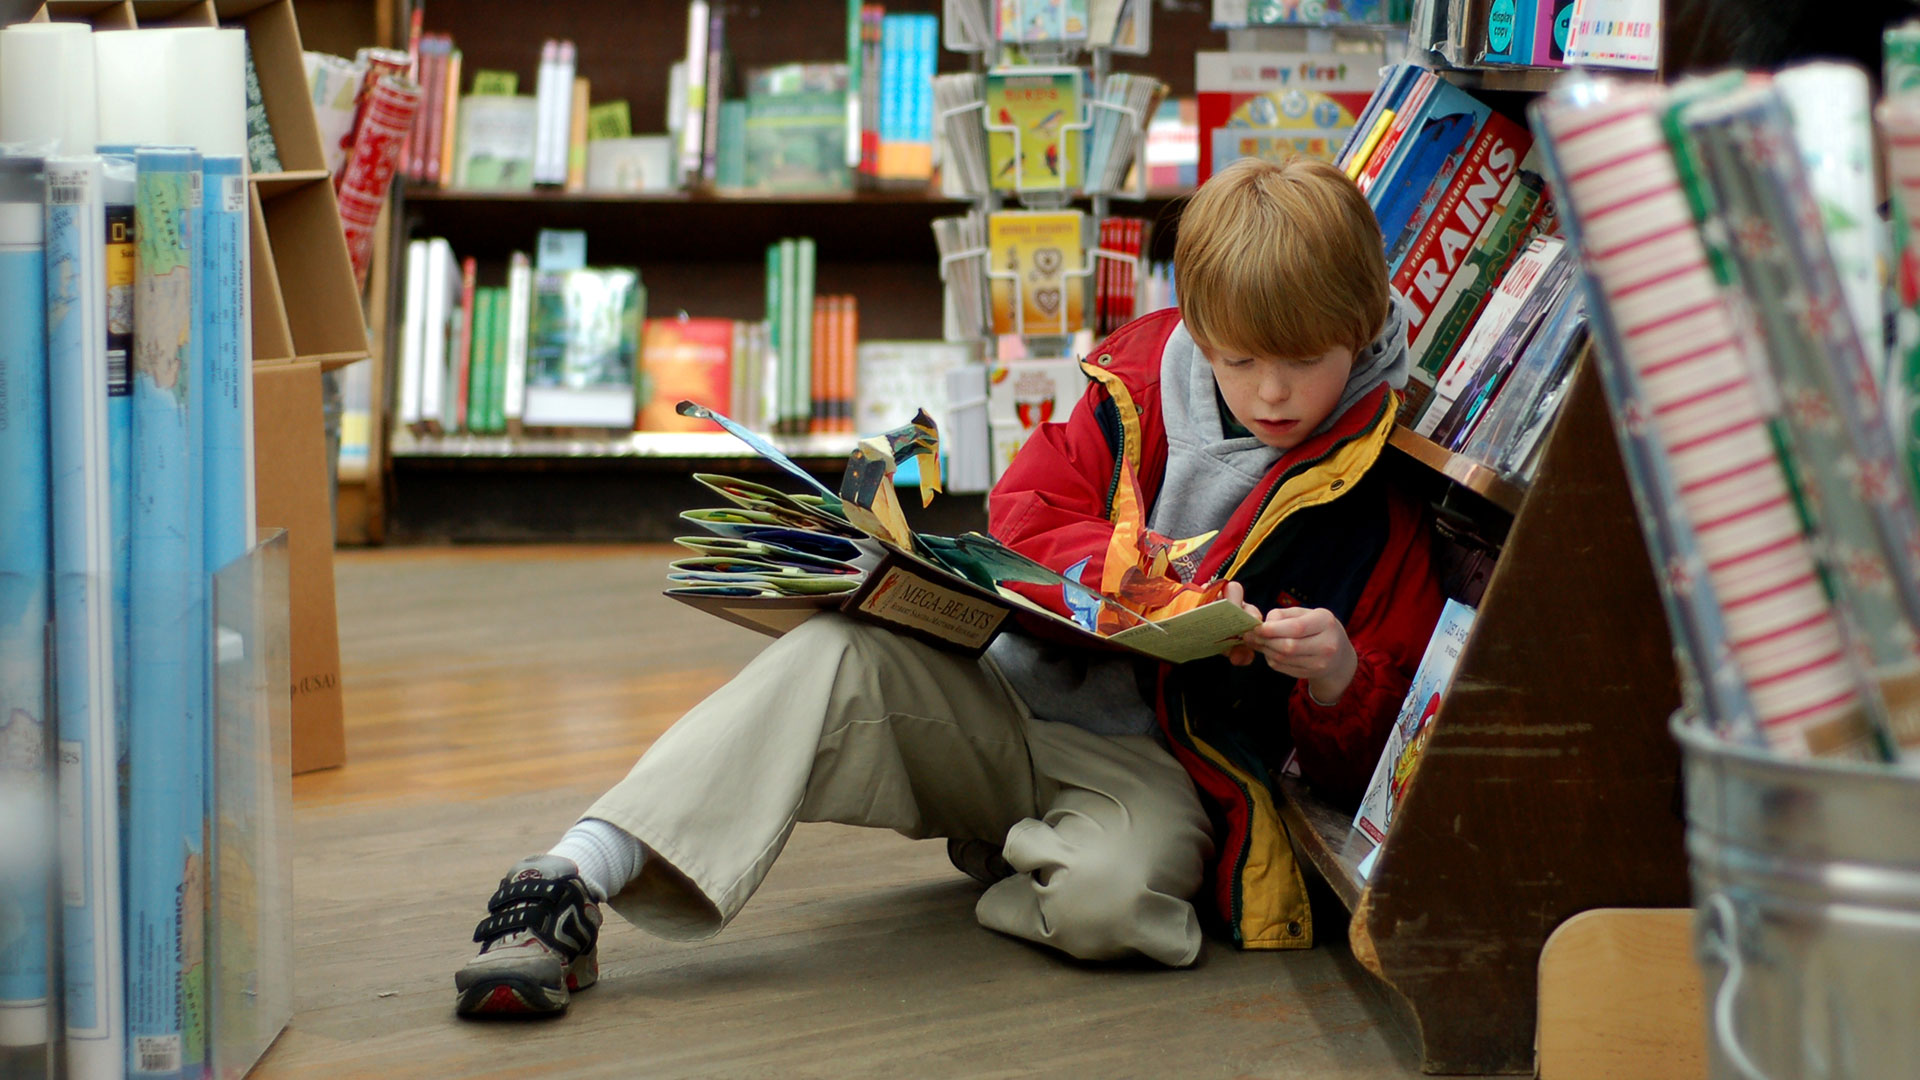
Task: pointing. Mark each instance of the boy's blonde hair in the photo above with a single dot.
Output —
(1281, 260)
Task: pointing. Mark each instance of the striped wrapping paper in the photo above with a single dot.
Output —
(1676, 349)
(1769, 226)
(363, 180)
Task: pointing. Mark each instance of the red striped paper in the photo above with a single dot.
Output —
(377, 146)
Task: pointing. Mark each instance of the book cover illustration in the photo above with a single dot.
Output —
(1275, 105)
(683, 358)
(1031, 145)
(1035, 264)
(797, 142)
(1041, 20)
(1408, 736)
(497, 140)
(582, 347)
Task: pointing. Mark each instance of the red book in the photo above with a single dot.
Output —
(684, 360)
(436, 50)
(368, 170)
(1448, 236)
(850, 366)
(463, 348)
(818, 363)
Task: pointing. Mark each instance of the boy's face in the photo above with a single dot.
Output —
(1282, 401)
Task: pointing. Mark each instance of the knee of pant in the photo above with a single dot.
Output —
(1095, 906)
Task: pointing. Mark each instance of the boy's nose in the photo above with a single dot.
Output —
(1275, 388)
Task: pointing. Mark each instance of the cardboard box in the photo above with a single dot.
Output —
(290, 483)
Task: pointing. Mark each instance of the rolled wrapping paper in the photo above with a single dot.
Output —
(1836, 437)
(335, 85)
(1685, 384)
(48, 97)
(209, 88)
(374, 65)
(377, 146)
(1833, 127)
(133, 70)
(173, 86)
(1900, 128)
(1900, 72)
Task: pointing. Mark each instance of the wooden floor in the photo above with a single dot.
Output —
(491, 693)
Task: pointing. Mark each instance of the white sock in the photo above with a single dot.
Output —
(608, 856)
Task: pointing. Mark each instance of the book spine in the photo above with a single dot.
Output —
(893, 91)
(872, 67)
(480, 378)
(437, 52)
(1422, 272)
(1508, 230)
(369, 168)
(856, 93)
(513, 395)
(716, 59)
(925, 54)
(1507, 301)
(167, 694)
(544, 111)
(776, 343)
(577, 137)
(693, 120)
(803, 261)
(449, 117)
(228, 387)
(413, 334)
(463, 349)
(1411, 111)
(819, 399)
(78, 271)
(25, 580)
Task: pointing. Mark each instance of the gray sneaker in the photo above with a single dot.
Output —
(537, 943)
(978, 859)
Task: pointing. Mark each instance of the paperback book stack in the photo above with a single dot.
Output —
(126, 484)
(1763, 461)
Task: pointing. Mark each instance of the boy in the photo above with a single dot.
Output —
(1088, 793)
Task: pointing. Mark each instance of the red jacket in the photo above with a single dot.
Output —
(1371, 565)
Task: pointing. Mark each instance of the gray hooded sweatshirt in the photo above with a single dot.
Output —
(1210, 472)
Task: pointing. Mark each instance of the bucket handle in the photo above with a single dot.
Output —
(1716, 932)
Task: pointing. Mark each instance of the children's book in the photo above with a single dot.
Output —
(1552, 22)
(1439, 133)
(582, 346)
(1454, 205)
(1035, 259)
(797, 142)
(1029, 144)
(1509, 32)
(497, 142)
(1408, 737)
(684, 358)
(954, 592)
(1276, 105)
(1020, 21)
(1521, 296)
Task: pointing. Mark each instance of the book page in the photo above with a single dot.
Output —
(1191, 635)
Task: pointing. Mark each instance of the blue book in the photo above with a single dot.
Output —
(893, 66)
(926, 46)
(166, 607)
(117, 190)
(1393, 90)
(25, 594)
(1437, 136)
(84, 612)
(229, 384)
(1509, 37)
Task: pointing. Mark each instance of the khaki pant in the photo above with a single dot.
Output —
(840, 721)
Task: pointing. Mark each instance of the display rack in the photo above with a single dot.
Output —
(1549, 784)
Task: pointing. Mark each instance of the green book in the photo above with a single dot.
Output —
(731, 173)
(776, 336)
(790, 384)
(497, 379)
(797, 142)
(803, 334)
(480, 360)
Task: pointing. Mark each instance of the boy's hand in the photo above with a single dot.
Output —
(1241, 655)
(1306, 643)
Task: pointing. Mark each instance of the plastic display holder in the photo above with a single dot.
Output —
(1061, 330)
(1138, 191)
(979, 324)
(944, 115)
(250, 872)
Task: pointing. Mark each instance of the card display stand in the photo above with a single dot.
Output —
(1549, 784)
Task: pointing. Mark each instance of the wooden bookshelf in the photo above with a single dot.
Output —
(637, 444)
(1460, 469)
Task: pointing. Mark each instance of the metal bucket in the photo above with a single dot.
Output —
(1806, 883)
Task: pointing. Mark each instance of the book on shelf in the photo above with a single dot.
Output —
(953, 592)
(460, 379)
(553, 95)
(1172, 151)
(1546, 293)
(795, 142)
(684, 358)
(1117, 277)
(583, 348)
(577, 135)
(1407, 738)
(897, 377)
(872, 72)
(1509, 32)
(1035, 137)
(1524, 293)
(1615, 33)
(498, 143)
(691, 113)
(1274, 105)
(637, 164)
(1028, 21)
(718, 78)
(1037, 260)
(1507, 437)
(907, 61)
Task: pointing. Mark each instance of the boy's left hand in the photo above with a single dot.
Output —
(1306, 643)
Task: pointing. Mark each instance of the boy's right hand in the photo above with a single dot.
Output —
(1241, 655)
